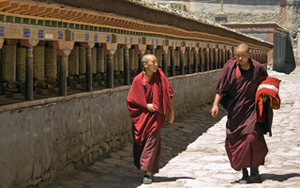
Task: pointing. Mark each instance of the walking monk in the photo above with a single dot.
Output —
(149, 102)
(245, 144)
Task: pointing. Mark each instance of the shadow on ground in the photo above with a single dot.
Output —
(168, 179)
(281, 177)
(176, 137)
(118, 170)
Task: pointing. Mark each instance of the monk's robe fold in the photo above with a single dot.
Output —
(157, 91)
(245, 144)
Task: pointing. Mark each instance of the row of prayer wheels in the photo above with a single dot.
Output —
(45, 61)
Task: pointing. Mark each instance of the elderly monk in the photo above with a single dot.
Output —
(149, 103)
(237, 84)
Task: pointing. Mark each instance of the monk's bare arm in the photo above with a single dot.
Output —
(171, 116)
(215, 107)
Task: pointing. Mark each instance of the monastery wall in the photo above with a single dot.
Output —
(55, 138)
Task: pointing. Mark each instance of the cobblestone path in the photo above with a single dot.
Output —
(193, 153)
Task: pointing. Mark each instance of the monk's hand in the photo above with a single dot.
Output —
(264, 98)
(150, 107)
(214, 110)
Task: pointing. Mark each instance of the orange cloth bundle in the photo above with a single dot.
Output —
(270, 88)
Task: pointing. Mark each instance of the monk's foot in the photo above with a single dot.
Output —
(147, 179)
(254, 179)
(254, 176)
(245, 176)
(241, 181)
(254, 171)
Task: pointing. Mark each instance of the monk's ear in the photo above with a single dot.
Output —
(250, 53)
(145, 65)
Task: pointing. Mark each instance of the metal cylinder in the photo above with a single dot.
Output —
(126, 67)
(120, 55)
(21, 64)
(115, 61)
(88, 75)
(29, 74)
(136, 60)
(82, 60)
(63, 75)
(110, 71)
(94, 60)
(100, 60)
(50, 63)
(39, 62)
(132, 59)
(8, 63)
(74, 61)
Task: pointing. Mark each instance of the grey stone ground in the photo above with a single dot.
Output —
(193, 153)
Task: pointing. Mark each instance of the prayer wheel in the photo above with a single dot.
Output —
(186, 58)
(158, 55)
(177, 57)
(136, 60)
(120, 58)
(21, 64)
(58, 65)
(223, 58)
(8, 63)
(100, 60)
(191, 57)
(207, 59)
(50, 63)
(169, 58)
(94, 60)
(115, 61)
(74, 61)
(39, 62)
(82, 60)
(131, 59)
(220, 58)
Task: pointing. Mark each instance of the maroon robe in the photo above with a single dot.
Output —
(245, 144)
(146, 125)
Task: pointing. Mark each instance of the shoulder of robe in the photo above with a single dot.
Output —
(229, 64)
(137, 78)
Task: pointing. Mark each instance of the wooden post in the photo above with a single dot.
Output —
(196, 59)
(29, 67)
(202, 62)
(29, 73)
(216, 57)
(110, 71)
(63, 48)
(126, 67)
(189, 64)
(88, 76)
(165, 63)
(63, 73)
(207, 59)
(173, 73)
(182, 60)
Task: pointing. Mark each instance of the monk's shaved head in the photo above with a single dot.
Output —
(243, 47)
(150, 63)
(243, 54)
(147, 58)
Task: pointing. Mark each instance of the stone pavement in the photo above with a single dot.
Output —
(193, 153)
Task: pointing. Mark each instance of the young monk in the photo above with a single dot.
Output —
(245, 144)
(149, 103)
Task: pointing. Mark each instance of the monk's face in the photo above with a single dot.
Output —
(242, 56)
(151, 66)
